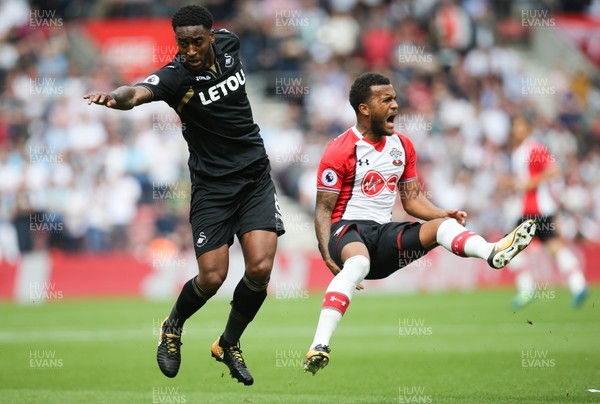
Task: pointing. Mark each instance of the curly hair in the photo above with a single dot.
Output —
(192, 15)
(360, 92)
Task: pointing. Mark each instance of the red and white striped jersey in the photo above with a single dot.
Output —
(530, 159)
(365, 174)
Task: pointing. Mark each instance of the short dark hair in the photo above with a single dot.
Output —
(192, 15)
(360, 92)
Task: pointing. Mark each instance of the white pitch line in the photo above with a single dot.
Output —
(272, 331)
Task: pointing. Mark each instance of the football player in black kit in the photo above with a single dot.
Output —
(232, 190)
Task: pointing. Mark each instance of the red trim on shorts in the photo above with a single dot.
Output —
(399, 237)
(458, 243)
(336, 301)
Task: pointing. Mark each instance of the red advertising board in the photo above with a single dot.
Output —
(583, 31)
(161, 276)
(136, 47)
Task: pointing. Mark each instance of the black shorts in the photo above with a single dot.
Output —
(545, 228)
(233, 205)
(391, 245)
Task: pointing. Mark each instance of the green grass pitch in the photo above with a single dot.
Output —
(421, 348)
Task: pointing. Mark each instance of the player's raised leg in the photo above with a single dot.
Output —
(212, 267)
(466, 243)
(259, 248)
(337, 300)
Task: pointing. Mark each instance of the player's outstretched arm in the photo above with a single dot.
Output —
(417, 205)
(123, 98)
(325, 204)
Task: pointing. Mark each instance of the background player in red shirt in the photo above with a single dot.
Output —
(534, 168)
(358, 178)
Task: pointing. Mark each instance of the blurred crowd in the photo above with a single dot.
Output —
(85, 178)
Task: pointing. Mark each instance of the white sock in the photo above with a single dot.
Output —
(338, 296)
(568, 264)
(462, 242)
(525, 284)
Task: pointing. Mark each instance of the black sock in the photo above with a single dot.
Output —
(190, 300)
(247, 299)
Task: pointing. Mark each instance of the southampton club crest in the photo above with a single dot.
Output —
(396, 157)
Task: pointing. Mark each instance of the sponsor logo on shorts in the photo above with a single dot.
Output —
(338, 231)
(201, 239)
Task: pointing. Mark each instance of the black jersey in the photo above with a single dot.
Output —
(214, 110)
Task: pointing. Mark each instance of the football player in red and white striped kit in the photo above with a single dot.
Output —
(359, 175)
(534, 167)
